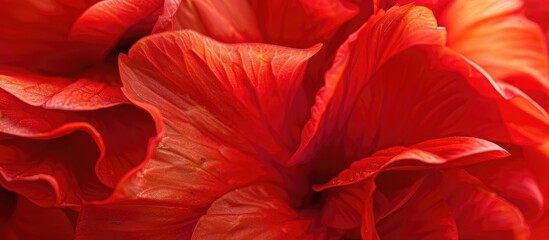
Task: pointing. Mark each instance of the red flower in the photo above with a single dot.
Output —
(276, 120)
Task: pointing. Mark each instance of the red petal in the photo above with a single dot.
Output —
(34, 34)
(60, 92)
(480, 213)
(537, 10)
(436, 6)
(246, 90)
(39, 171)
(104, 23)
(99, 150)
(357, 183)
(454, 194)
(221, 20)
(283, 22)
(454, 151)
(37, 35)
(29, 221)
(214, 117)
(426, 215)
(363, 53)
(214, 100)
(137, 219)
(496, 35)
(513, 181)
(342, 208)
(448, 100)
(539, 228)
(301, 23)
(254, 212)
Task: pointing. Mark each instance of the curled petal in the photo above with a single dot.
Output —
(95, 157)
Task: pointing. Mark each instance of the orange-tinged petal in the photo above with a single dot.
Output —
(495, 35)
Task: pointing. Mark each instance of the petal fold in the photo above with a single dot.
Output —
(358, 59)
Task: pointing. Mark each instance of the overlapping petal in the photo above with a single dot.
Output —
(223, 113)
(288, 23)
(249, 212)
(39, 57)
(106, 23)
(358, 59)
(440, 192)
(62, 93)
(212, 140)
(498, 37)
(68, 132)
(28, 221)
(438, 93)
(97, 150)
